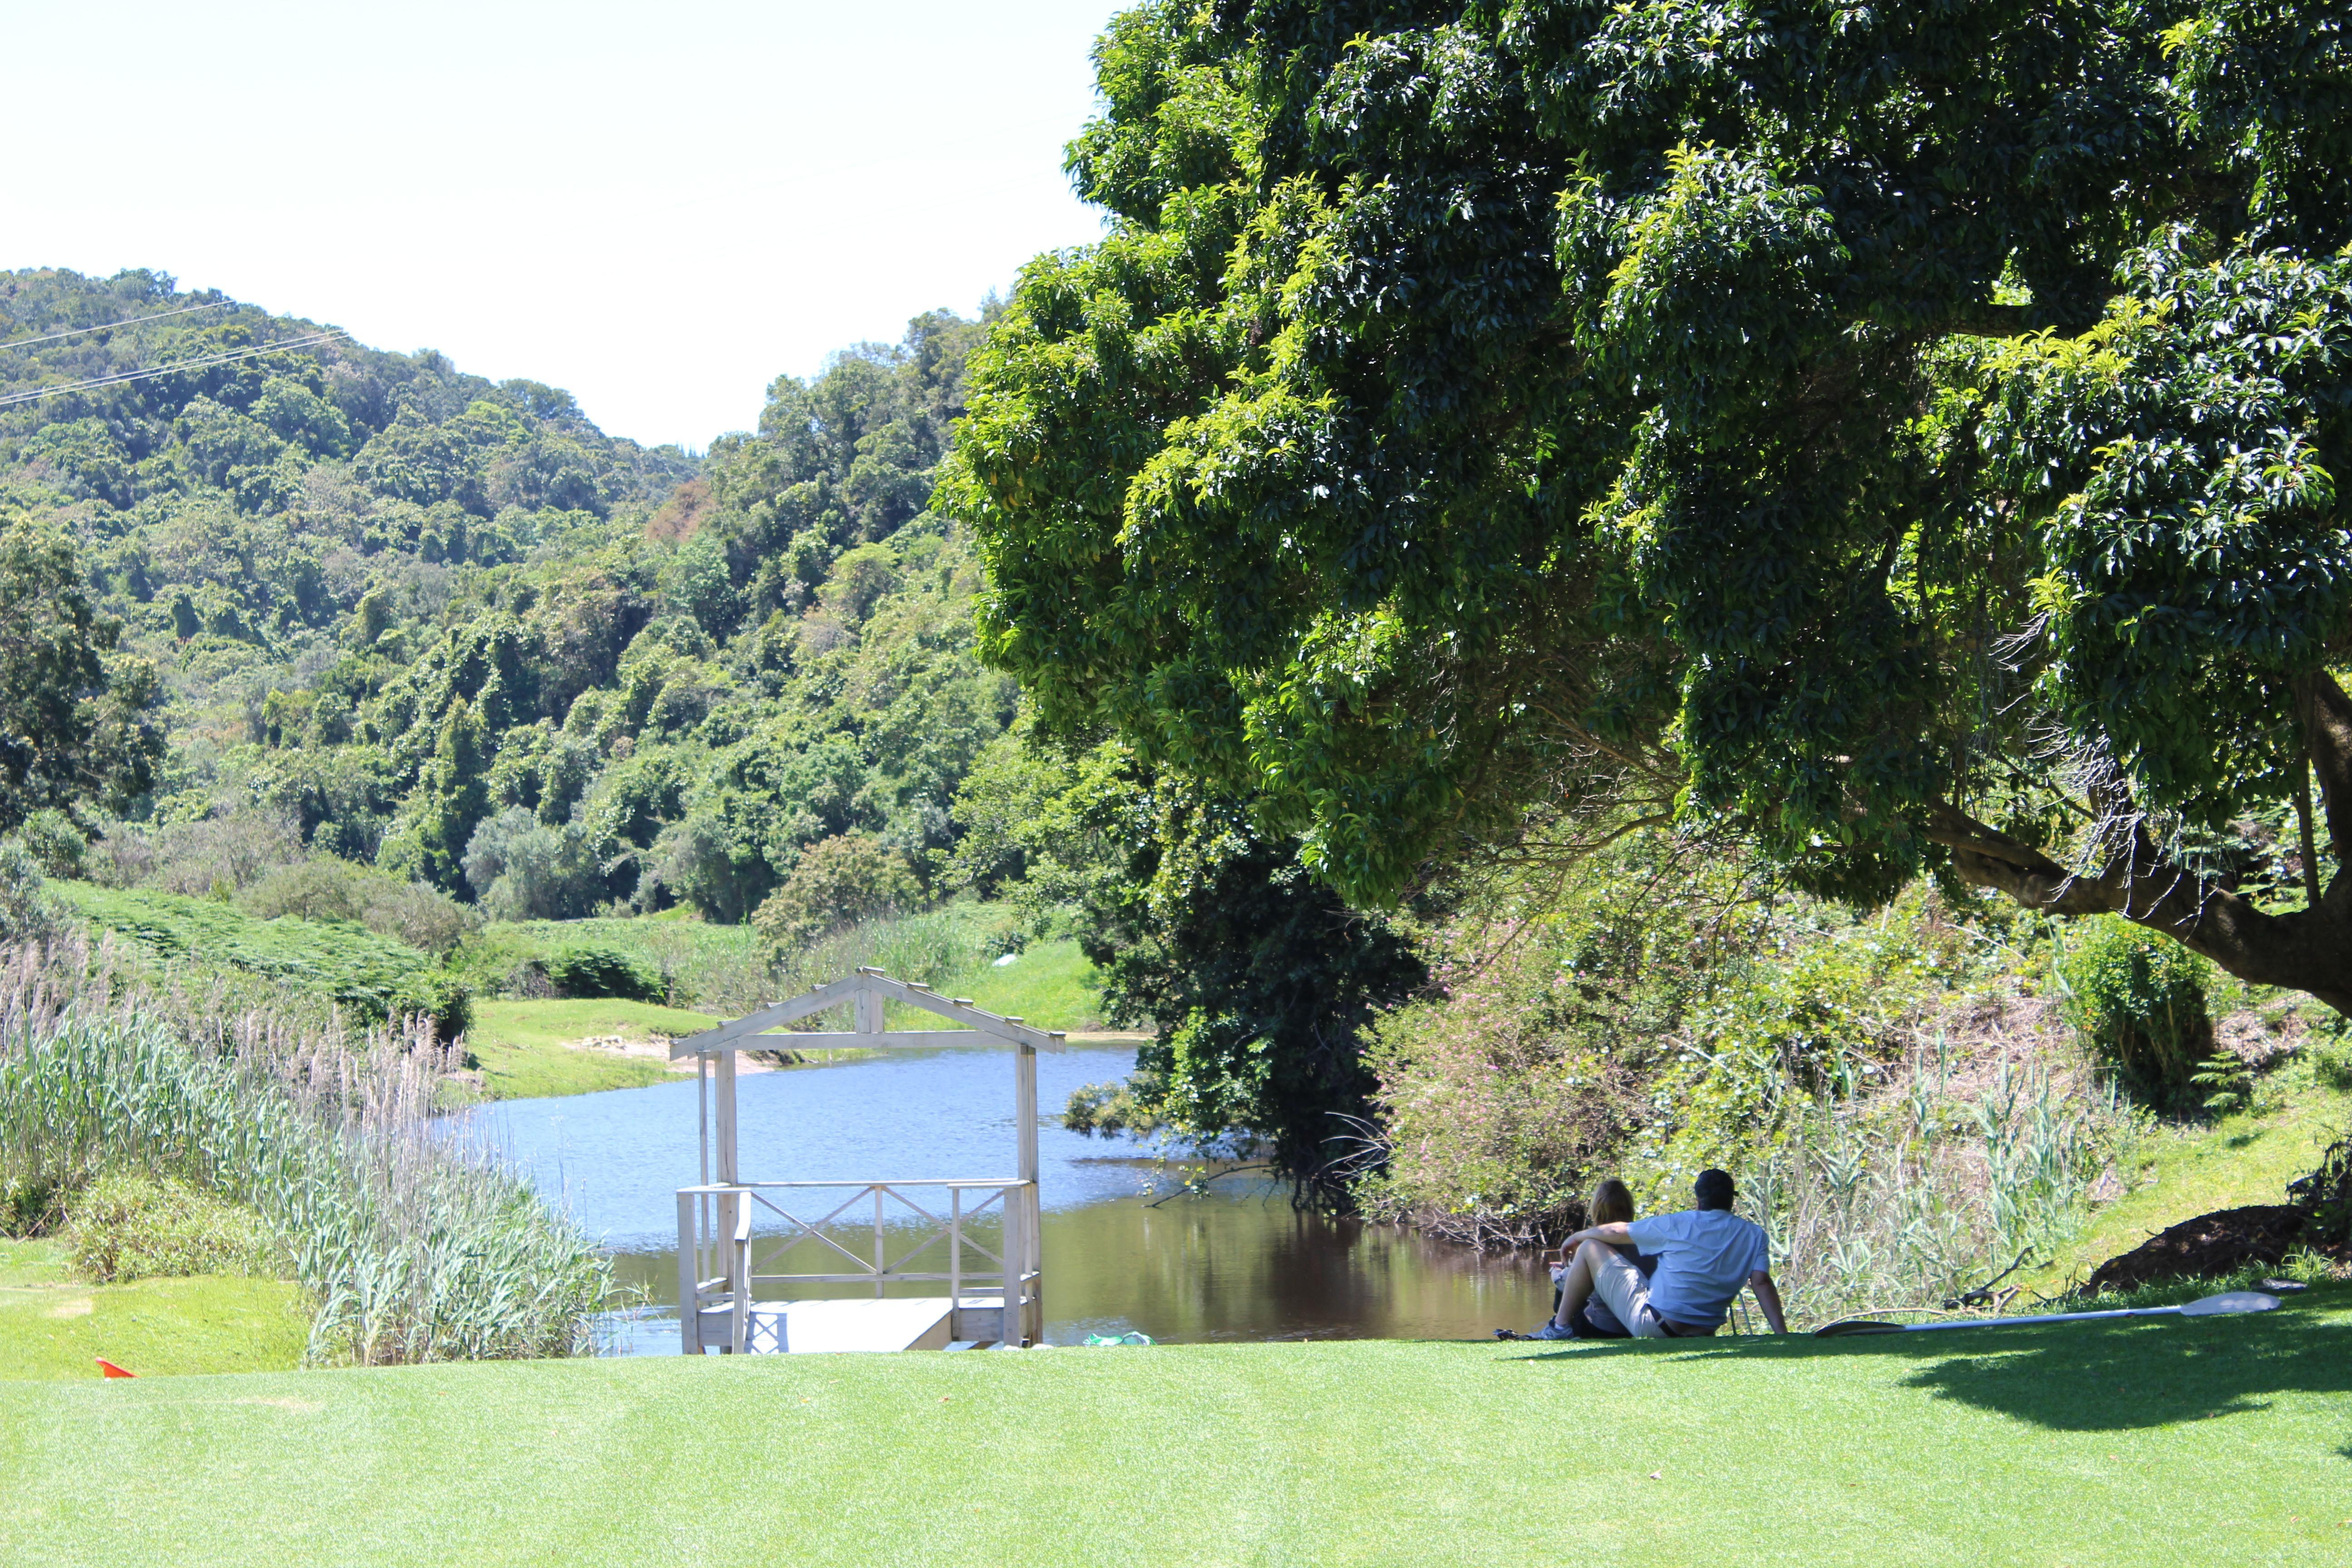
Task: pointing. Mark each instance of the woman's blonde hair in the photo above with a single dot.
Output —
(1612, 1203)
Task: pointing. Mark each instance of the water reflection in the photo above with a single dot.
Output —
(1120, 1252)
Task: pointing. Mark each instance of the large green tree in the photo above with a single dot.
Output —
(1903, 433)
(75, 729)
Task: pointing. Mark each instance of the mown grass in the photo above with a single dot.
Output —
(54, 1326)
(527, 1049)
(2139, 1442)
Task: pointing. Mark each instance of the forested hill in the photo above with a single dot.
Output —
(448, 626)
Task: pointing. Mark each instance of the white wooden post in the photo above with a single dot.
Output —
(690, 1293)
(1024, 1259)
(726, 1096)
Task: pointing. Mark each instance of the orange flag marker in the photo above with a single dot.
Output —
(108, 1369)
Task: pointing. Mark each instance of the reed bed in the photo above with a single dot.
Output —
(414, 1242)
(1928, 1194)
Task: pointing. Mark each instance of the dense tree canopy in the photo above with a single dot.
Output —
(1904, 433)
(74, 727)
(449, 627)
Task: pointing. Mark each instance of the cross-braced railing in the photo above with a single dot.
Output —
(719, 1278)
(727, 1257)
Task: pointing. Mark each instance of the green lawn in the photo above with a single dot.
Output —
(51, 1327)
(531, 1048)
(2155, 1442)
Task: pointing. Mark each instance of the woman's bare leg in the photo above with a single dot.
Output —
(1576, 1284)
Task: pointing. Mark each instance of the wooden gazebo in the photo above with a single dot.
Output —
(727, 1302)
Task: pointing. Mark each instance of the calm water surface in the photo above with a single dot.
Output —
(1126, 1247)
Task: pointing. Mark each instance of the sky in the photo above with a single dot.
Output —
(658, 208)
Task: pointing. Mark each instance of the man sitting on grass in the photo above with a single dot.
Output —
(1705, 1254)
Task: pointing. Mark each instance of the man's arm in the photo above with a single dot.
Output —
(1767, 1296)
(1617, 1232)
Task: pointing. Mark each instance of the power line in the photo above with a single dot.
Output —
(36, 393)
(126, 321)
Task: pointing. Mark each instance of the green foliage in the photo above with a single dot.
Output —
(130, 1225)
(403, 608)
(842, 881)
(372, 977)
(27, 911)
(1259, 983)
(1757, 418)
(591, 971)
(2140, 1003)
(74, 721)
(2227, 1083)
(2331, 1062)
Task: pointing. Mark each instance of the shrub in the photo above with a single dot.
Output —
(847, 878)
(602, 972)
(332, 959)
(26, 913)
(322, 889)
(437, 995)
(56, 845)
(2140, 1000)
(2331, 1063)
(226, 853)
(522, 869)
(131, 1226)
(425, 919)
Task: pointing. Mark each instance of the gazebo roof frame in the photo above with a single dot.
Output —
(743, 1034)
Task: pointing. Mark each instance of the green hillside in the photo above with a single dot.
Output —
(392, 604)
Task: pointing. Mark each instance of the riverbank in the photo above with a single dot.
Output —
(2099, 1445)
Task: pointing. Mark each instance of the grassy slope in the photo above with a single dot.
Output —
(2193, 1170)
(333, 958)
(1051, 985)
(51, 1327)
(2139, 1442)
(529, 1048)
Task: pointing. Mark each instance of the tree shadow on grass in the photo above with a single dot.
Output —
(2089, 1377)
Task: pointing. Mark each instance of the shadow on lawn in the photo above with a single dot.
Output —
(2088, 1377)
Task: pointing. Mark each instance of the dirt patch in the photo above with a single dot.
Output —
(2205, 1247)
(74, 1307)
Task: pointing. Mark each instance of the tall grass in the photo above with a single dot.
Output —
(1926, 1191)
(413, 1246)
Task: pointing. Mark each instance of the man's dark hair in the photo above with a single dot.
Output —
(1712, 1189)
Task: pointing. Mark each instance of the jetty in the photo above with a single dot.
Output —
(733, 1233)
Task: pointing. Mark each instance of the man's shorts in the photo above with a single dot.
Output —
(1626, 1291)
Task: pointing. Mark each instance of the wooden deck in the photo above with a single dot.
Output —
(860, 1324)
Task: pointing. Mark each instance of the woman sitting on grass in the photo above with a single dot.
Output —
(1612, 1203)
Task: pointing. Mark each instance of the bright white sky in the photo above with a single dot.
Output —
(660, 207)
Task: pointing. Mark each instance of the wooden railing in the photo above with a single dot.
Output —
(721, 1249)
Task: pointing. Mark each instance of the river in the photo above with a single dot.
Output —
(1126, 1246)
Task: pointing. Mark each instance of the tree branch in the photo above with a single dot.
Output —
(2308, 950)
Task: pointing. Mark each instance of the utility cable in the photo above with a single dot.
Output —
(102, 326)
(34, 395)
